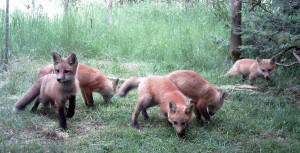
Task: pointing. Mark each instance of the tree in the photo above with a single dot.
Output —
(66, 6)
(188, 4)
(235, 38)
(33, 7)
(109, 3)
(6, 51)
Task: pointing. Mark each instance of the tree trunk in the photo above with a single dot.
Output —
(236, 39)
(188, 4)
(6, 51)
(33, 7)
(110, 11)
(66, 6)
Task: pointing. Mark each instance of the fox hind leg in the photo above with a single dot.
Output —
(147, 104)
(145, 114)
(142, 105)
(36, 105)
(88, 97)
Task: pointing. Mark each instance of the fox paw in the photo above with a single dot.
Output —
(136, 125)
(16, 109)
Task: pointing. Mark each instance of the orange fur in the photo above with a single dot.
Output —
(90, 80)
(59, 88)
(158, 90)
(208, 100)
(252, 68)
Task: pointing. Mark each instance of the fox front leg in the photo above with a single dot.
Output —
(71, 108)
(203, 111)
(62, 116)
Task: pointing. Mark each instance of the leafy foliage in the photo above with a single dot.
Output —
(270, 27)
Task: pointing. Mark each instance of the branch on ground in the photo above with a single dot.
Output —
(258, 3)
(240, 87)
(296, 55)
(222, 87)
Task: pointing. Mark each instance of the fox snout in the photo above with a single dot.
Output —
(211, 113)
(267, 77)
(180, 128)
(60, 80)
(181, 133)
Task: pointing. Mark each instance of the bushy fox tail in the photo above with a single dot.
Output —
(29, 96)
(129, 84)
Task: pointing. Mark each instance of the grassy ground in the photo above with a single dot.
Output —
(144, 40)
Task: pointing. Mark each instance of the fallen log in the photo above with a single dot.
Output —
(222, 87)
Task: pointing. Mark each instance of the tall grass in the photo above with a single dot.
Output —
(148, 31)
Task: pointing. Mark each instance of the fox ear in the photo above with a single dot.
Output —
(258, 59)
(56, 57)
(115, 83)
(172, 107)
(272, 61)
(189, 108)
(72, 59)
(223, 95)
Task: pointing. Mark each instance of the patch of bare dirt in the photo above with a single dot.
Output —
(269, 135)
(87, 128)
(132, 66)
(273, 135)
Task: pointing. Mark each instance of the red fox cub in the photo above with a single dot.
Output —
(90, 80)
(158, 90)
(59, 88)
(207, 99)
(252, 68)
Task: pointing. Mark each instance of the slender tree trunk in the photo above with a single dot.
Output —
(110, 11)
(236, 39)
(6, 51)
(33, 7)
(66, 6)
(188, 4)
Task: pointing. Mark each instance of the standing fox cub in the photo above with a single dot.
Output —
(90, 80)
(59, 88)
(252, 68)
(207, 99)
(158, 90)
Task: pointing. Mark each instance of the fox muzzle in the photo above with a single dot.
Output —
(60, 80)
(211, 113)
(181, 133)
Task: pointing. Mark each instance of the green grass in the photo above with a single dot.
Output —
(145, 39)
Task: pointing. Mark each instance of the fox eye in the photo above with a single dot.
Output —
(175, 122)
(66, 71)
(57, 70)
(263, 70)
